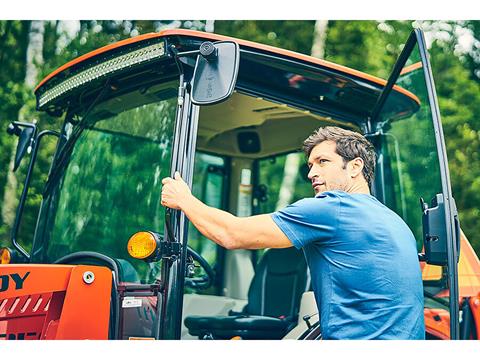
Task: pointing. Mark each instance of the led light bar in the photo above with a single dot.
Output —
(95, 72)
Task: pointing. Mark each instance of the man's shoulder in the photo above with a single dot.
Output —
(330, 195)
(327, 197)
(309, 220)
(321, 204)
(352, 199)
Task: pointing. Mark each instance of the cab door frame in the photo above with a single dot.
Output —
(173, 268)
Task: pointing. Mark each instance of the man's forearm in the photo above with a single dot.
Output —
(217, 225)
(231, 232)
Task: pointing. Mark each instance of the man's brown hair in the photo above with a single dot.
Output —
(350, 145)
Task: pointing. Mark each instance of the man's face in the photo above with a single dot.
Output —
(327, 169)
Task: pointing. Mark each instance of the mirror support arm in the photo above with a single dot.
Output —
(13, 127)
(23, 197)
(175, 54)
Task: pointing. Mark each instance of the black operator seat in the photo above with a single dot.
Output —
(274, 298)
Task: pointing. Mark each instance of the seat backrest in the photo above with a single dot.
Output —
(280, 279)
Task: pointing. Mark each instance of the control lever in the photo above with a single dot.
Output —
(307, 318)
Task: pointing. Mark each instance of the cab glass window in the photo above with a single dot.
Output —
(208, 186)
(109, 186)
(410, 164)
(409, 167)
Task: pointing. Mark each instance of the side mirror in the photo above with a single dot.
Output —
(26, 140)
(215, 73)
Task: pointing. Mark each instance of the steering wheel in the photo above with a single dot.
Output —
(74, 257)
(194, 282)
(198, 282)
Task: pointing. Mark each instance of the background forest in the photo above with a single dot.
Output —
(30, 50)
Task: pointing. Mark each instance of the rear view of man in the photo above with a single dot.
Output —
(362, 256)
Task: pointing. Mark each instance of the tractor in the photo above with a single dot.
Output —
(109, 262)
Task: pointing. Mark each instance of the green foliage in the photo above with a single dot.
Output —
(368, 46)
(289, 34)
(13, 94)
(472, 57)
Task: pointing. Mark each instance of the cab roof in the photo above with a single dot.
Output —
(213, 37)
(284, 76)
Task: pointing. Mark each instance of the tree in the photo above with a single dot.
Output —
(290, 34)
(34, 58)
(14, 41)
(472, 56)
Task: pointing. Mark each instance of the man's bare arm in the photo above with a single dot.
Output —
(227, 230)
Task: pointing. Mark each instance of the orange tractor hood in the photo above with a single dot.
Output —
(54, 302)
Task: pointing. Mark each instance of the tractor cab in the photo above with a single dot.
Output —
(230, 115)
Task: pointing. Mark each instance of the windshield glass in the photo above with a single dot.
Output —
(110, 185)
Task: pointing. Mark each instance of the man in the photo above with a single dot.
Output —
(362, 256)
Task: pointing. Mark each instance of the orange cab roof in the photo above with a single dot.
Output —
(216, 37)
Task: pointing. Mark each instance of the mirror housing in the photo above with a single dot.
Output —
(26, 139)
(215, 73)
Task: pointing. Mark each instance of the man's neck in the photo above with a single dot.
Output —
(359, 188)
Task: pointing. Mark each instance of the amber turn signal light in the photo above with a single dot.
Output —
(5, 256)
(142, 245)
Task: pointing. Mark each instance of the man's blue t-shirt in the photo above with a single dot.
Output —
(364, 265)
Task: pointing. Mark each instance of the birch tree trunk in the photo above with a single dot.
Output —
(34, 53)
(66, 30)
(34, 59)
(210, 26)
(293, 161)
(319, 39)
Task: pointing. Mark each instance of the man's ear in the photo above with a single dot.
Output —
(355, 167)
